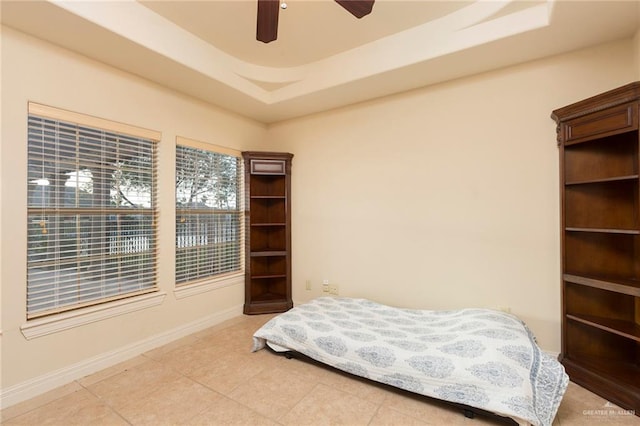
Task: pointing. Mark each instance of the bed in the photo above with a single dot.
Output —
(479, 358)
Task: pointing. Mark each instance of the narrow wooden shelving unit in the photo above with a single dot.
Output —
(600, 186)
(268, 232)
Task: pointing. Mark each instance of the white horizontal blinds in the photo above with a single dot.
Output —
(209, 228)
(91, 215)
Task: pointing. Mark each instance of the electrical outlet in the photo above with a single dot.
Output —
(325, 286)
(334, 289)
(308, 284)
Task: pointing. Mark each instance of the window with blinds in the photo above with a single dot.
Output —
(92, 213)
(208, 211)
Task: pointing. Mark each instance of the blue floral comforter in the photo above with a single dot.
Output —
(478, 357)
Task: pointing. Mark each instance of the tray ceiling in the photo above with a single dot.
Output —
(323, 58)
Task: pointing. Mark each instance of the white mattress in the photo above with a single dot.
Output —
(477, 357)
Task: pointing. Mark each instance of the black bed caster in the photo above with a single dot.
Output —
(288, 355)
(469, 414)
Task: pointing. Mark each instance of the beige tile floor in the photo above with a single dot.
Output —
(212, 378)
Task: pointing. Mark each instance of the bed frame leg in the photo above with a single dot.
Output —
(469, 414)
(288, 355)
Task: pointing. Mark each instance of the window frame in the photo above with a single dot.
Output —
(71, 314)
(224, 279)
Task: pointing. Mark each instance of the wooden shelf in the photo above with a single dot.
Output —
(602, 157)
(627, 329)
(605, 231)
(629, 287)
(268, 232)
(268, 253)
(268, 210)
(604, 180)
(601, 254)
(263, 277)
(627, 372)
(599, 142)
(265, 186)
(267, 297)
(608, 207)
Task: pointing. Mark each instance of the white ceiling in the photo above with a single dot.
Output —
(324, 57)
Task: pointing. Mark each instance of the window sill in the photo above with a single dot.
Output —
(67, 320)
(208, 285)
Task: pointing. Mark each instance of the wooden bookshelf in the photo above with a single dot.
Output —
(600, 240)
(268, 232)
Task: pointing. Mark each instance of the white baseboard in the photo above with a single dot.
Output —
(39, 385)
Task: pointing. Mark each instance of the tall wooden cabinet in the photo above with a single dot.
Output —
(268, 232)
(598, 139)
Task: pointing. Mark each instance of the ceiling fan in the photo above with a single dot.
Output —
(267, 28)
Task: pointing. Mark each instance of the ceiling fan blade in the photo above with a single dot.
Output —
(267, 27)
(357, 8)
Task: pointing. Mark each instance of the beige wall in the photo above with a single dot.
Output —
(444, 197)
(37, 71)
